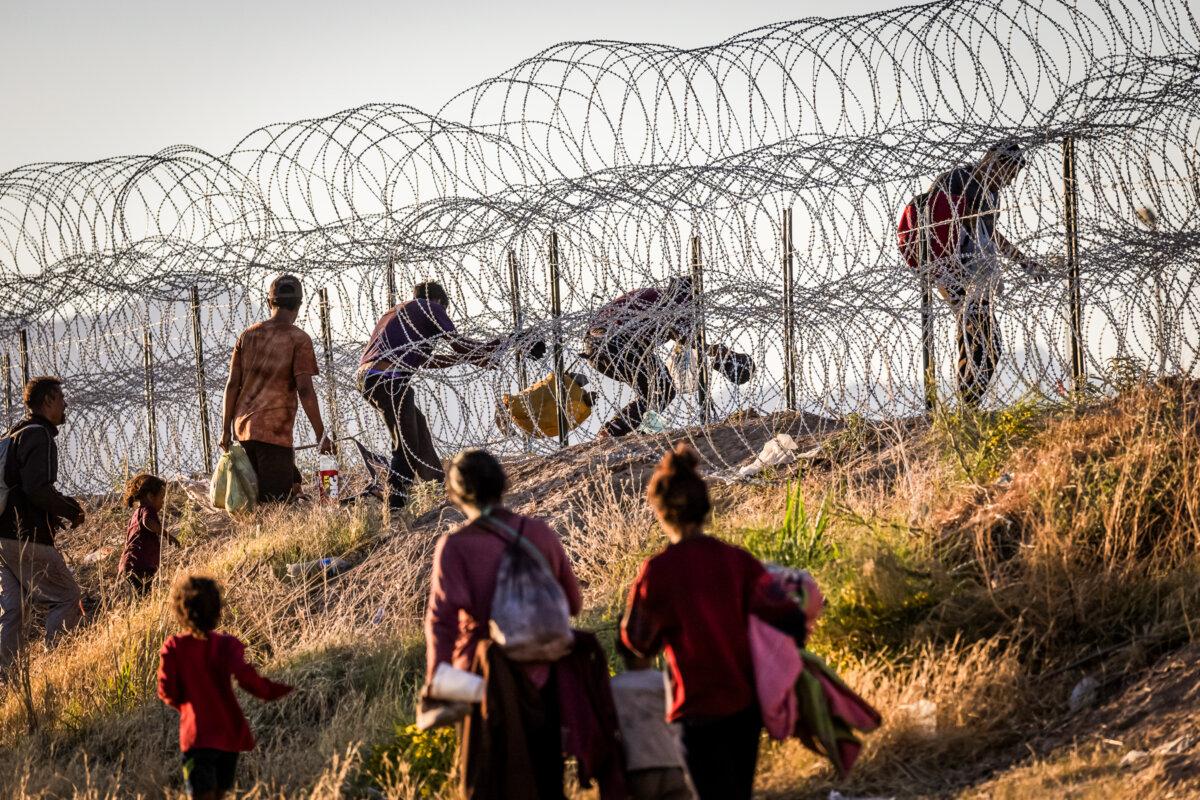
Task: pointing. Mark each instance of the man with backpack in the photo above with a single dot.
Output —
(950, 234)
(31, 568)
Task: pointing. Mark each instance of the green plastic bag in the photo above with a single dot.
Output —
(218, 487)
(234, 486)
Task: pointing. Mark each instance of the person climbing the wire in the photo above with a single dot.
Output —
(623, 338)
(964, 253)
(270, 374)
(402, 343)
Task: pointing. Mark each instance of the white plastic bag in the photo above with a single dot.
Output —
(684, 369)
(530, 616)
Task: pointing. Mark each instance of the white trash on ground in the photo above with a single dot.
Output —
(922, 714)
(782, 449)
(1084, 694)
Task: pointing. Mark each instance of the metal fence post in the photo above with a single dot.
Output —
(391, 283)
(701, 340)
(928, 357)
(151, 422)
(514, 281)
(23, 354)
(1071, 213)
(330, 382)
(560, 398)
(201, 389)
(789, 316)
(7, 389)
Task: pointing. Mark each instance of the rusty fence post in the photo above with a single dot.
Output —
(560, 394)
(1071, 214)
(151, 421)
(330, 378)
(201, 389)
(699, 336)
(23, 354)
(789, 315)
(514, 282)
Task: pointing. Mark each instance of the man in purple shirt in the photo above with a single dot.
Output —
(622, 340)
(402, 343)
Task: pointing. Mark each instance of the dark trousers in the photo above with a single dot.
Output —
(632, 362)
(275, 467)
(978, 343)
(722, 754)
(413, 453)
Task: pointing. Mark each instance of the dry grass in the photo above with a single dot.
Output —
(947, 591)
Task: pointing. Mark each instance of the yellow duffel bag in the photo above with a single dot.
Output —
(535, 410)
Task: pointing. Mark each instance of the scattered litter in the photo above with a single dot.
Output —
(922, 714)
(652, 423)
(98, 555)
(1005, 479)
(834, 794)
(377, 617)
(783, 449)
(1134, 758)
(1084, 694)
(1178, 745)
(684, 369)
(329, 566)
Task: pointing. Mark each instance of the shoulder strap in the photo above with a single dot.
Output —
(514, 538)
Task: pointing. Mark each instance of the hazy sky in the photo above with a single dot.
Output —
(85, 79)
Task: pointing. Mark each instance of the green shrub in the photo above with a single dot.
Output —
(419, 760)
(980, 442)
(800, 540)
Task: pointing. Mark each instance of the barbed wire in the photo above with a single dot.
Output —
(626, 152)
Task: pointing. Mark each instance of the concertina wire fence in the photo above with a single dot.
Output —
(639, 162)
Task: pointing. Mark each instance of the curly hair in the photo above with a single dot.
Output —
(141, 488)
(676, 492)
(196, 601)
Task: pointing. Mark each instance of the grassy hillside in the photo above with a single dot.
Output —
(976, 568)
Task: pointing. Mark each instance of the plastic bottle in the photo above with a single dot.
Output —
(327, 479)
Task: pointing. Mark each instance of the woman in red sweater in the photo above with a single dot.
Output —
(194, 673)
(693, 600)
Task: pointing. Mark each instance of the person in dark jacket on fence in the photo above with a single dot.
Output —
(270, 374)
(694, 600)
(402, 343)
(622, 340)
(32, 570)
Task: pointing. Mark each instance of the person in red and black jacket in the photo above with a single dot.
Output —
(31, 569)
(623, 338)
(693, 600)
(968, 277)
(194, 673)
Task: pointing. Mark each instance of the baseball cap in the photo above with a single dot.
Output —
(285, 287)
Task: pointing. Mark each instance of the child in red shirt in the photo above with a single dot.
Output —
(194, 672)
(146, 495)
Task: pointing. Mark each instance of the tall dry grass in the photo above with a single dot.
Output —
(963, 607)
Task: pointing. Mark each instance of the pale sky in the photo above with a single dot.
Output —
(86, 79)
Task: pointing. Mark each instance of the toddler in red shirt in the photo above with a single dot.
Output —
(146, 495)
(194, 673)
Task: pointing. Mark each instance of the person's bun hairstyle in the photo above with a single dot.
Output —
(676, 492)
